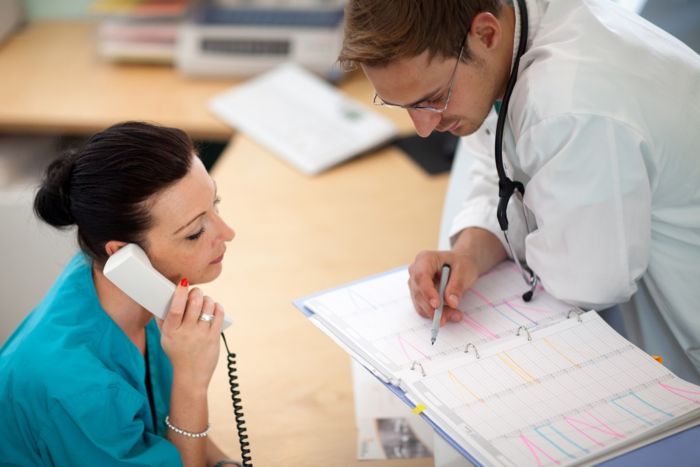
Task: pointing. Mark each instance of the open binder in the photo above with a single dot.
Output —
(514, 383)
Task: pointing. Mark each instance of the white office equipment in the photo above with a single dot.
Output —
(241, 39)
(301, 118)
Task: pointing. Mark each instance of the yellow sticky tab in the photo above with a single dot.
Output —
(658, 358)
(418, 409)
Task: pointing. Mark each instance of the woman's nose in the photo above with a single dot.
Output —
(226, 233)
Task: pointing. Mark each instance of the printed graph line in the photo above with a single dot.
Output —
(482, 297)
(563, 371)
(680, 392)
(573, 422)
(551, 345)
(652, 406)
(569, 440)
(532, 447)
(478, 327)
(538, 430)
(403, 343)
(459, 382)
(510, 305)
(526, 307)
(517, 369)
(617, 402)
(518, 323)
(360, 302)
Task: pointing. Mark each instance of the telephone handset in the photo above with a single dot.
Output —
(131, 271)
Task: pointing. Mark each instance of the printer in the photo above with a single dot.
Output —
(245, 38)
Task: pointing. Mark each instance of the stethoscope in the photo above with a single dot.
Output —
(506, 186)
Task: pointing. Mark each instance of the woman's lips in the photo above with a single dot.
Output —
(218, 260)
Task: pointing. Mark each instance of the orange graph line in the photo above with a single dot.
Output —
(554, 347)
(517, 369)
(457, 381)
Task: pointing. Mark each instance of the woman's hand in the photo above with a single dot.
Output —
(191, 343)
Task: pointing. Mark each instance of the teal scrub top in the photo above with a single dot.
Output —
(73, 386)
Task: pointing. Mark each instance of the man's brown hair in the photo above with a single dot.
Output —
(378, 32)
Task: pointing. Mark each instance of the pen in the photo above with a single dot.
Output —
(444, 277)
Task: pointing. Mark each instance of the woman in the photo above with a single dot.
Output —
(89, 377)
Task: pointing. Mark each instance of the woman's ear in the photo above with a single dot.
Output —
(113, 246)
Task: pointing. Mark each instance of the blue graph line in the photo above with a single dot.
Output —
(643, 420)
(670, 415)
(539, 432)
(495, 307)
(568, 439)
(518, 312)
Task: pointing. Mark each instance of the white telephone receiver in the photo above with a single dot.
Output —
(131, 271)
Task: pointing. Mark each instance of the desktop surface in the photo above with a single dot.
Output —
(53, 81)
(296, 235)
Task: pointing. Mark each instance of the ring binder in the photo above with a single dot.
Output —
(517, 333)
(513, 373)
(417, 363)
(476, 351)
(578, 314)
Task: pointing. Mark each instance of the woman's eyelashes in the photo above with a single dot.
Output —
(196, 235)
(199, 233)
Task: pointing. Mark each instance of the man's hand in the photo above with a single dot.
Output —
(475, 252)
(425, 275)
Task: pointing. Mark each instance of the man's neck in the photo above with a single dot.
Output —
(507, 18)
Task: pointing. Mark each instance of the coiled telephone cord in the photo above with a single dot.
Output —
(246, 460)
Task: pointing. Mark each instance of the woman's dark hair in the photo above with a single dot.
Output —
(102, 188)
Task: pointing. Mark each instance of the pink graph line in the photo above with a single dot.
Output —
(603, 424)
(607, 429)
(482, 297)
(403, 341)
(480, 328)
(525, 307)
(678, 391)
(532, 446)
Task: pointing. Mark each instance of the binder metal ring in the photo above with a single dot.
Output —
(476, 351)
(418, 364)
(578, 314)
(517, 333)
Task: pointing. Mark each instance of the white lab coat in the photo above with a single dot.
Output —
(604, 130)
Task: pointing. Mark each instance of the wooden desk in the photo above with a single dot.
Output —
(53, 81)
(296, 235)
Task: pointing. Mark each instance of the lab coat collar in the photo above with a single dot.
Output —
(535, 9)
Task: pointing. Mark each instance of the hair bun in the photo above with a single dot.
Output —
(52, 201)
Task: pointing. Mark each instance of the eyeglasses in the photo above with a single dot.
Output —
(437, 105)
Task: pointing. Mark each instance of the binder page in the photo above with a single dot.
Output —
(575, 392)
(376, 317)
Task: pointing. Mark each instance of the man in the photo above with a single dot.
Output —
(603, 130)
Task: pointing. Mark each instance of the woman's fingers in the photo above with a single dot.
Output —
(177, 307)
